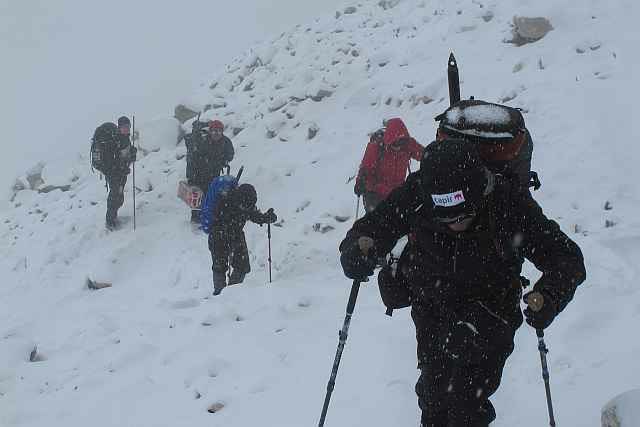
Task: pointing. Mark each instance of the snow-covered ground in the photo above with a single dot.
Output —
(156, 350)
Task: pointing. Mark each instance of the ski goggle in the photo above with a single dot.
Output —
(456, 219)
(502, 150)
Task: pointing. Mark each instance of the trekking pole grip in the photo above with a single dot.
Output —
(535, 301)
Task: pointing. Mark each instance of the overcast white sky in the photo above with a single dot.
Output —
(69, 65)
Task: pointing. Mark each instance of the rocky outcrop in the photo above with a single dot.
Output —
(529, 30)
(183, 113)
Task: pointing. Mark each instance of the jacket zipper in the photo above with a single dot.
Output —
(455, 256)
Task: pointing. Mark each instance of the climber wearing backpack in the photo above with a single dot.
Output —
(112, 153)
(461, 276)
(225, 210)
(385, 163)
(208, 152)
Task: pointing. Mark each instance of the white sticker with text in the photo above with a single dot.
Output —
(448, 200)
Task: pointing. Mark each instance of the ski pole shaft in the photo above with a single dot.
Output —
(542, 348)
(357, 208)
(269, 239)
(341, 342)
(133, 171)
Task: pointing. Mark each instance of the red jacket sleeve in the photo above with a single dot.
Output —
(368, 163)
(415, 149)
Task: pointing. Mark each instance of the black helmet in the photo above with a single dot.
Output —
(454, 178)
(245, 196)
(124, 121)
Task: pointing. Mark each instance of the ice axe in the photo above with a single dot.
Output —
(239, 174)
(454, 80)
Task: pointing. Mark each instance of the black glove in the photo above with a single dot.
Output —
(133, 153)
(546, 309)
(270, 216)
(359, 188)
(356, 263)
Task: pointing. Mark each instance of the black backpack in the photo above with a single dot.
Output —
(106, 133)
(500, 132)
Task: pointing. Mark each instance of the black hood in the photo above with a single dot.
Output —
(454, 178)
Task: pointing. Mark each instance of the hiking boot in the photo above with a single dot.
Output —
(111, 219)
(219, 282)
(236, 278)
(111, 224)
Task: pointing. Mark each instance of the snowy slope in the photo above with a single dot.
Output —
(156, 350)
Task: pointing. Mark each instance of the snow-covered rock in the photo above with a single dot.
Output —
(529, 30)
(623, 410)
(182, 113)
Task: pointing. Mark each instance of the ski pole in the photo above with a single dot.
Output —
(133, 171)
(357, 209)
(269, 239)
(342, 334)
(535, 302)
(542, 347)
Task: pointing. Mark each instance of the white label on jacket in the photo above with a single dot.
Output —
(448, 200)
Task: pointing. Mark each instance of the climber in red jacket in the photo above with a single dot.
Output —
(386, 162)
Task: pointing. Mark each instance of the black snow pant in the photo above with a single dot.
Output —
(461, 357)
(115, 199)
(371, 200)
(228, 249)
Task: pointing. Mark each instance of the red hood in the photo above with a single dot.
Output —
(395, 130)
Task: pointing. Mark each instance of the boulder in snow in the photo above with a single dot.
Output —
(388, 4)
(36, 356)
(529, 30)
(183, 113)
(321, 94)
(50, 188)
(95, 285)
(34, 176)
(623, 410)
(312, 131)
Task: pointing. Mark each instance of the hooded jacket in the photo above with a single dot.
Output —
(382, 168)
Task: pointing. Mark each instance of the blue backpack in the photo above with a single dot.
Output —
(219, 188)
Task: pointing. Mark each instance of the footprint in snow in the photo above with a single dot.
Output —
(187, 303)
(258, 388)
(216, 367)
(304, 303)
